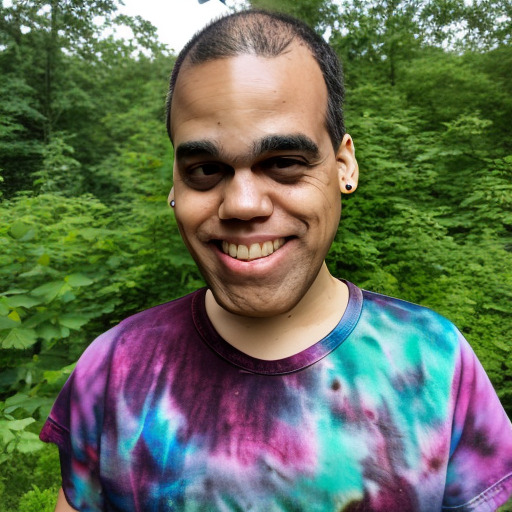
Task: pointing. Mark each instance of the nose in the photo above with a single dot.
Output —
(245, 197)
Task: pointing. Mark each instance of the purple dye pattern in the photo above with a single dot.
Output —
(482, 430)
(162, 414)
(244, 410)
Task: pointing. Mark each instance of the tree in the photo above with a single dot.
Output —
(56, 55)
(52, 27)
(317, 13)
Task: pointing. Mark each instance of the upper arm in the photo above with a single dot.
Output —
(62, 504)
(480, 465)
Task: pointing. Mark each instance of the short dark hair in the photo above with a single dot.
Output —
(266, 34)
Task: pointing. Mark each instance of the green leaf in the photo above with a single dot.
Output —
(17, 425)
(49, 332)
(24, 301)
(6, 435)
(28, 403)
(12, 403)
(89, 234)
(19, 338)
(21, 231)
(38, 318)
(50, 291)
(14, 315)
(501, 344)
(498, 307)
(28, 442)
(67, 297)
(7, 323)
(52, 376)
(14, 291)
(4, 308)
(43, 260)
(77, 280)
(73, 321)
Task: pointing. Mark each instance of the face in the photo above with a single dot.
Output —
(256, 179)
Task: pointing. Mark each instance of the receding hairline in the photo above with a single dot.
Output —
(295, 45)
(238, 25)
(264, 34)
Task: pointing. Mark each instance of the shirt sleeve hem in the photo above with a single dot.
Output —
(490, 499)
(68, 499)
(52, 432)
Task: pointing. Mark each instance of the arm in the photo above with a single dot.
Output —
(480, 466)
(62, 504)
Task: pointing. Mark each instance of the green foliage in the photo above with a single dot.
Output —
(57, 82)
(317, 13)
(29, 479)
(86, 237)
(59, 170)
(38, 500)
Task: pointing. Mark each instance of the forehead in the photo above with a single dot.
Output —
(246, 94)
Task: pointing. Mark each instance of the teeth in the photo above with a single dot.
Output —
(267, 248)
(255, 251)
(242, 253)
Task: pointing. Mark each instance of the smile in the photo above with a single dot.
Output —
(252, 252)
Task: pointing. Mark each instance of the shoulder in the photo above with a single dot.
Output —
(410, 322)
(141, 328)
(402, 309)
(126, 358)
(137, 341)
(171, 314)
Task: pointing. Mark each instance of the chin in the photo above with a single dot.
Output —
(256, 301)
(254, 310)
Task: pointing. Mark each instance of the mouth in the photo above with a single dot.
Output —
(251, 252)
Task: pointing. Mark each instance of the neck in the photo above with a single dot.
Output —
(287, 334)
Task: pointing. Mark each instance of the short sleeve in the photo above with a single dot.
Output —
(479, 476)
(75, 425)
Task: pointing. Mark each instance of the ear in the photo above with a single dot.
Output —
(348, 170)
(171, 196)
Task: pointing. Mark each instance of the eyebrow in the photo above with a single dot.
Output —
(197, 148)
(268, 144)
(294, 142)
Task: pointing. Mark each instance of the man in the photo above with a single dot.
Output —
(278, 387)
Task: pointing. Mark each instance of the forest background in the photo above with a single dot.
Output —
(87, 238)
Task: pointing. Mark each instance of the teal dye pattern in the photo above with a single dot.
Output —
(390, 412)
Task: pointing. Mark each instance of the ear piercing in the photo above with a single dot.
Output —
(348, 187)
(172, 203)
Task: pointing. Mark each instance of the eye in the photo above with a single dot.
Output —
(204, 176)
(284, 169)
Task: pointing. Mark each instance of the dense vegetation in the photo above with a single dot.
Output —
(86, 237)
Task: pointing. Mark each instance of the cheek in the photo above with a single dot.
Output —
(195, 214)
(185, 217)
(321, 198)
(328, 213)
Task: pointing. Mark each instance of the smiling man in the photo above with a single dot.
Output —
(278, 387)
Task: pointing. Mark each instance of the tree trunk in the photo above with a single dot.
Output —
(51, 57)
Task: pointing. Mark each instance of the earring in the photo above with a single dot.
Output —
(172, 204)
(348, 187)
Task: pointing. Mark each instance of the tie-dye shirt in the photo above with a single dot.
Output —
(389, 412)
